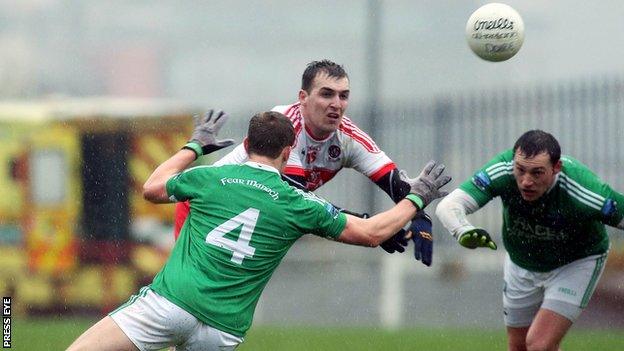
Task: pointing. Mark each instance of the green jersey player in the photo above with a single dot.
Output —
(243, 219)
(554, 215)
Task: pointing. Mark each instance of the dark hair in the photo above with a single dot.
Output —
(269, 133)
(332, 69)
(535, 142)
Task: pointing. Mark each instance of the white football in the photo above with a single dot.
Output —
(495, 32)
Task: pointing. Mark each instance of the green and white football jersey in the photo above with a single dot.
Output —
(243, 220)
(565, 224)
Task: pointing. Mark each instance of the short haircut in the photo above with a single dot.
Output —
(314, 68)
(535, 142)
(269, 133)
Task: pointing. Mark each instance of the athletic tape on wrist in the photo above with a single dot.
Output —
(195, 147)
(416, 200)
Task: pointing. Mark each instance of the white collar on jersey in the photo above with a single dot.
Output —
(262, 166)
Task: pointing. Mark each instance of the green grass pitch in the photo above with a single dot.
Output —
(58, 333)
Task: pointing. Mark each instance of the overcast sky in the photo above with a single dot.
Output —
(248, 53)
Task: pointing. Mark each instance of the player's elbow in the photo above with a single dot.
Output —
(152, 193)
(366, 240)
(148, 194)
(374, 240)
(370, 236)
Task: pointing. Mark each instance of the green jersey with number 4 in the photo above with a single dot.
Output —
(565, 224)
(243, 220)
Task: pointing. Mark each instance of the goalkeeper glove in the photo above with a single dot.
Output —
(204, 138)
(476, 238)
(420, 229)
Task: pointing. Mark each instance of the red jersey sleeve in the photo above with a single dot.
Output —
(182, 210)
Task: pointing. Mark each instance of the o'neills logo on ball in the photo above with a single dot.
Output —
(334, 152)
(501, 23)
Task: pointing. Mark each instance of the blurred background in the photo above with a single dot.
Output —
(95, 94)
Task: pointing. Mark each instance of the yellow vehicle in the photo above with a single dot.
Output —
(75, 232)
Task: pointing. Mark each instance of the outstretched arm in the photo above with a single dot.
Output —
(452, 211)
(377, 229)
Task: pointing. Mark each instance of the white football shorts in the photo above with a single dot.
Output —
(152, 322)
(565, 290)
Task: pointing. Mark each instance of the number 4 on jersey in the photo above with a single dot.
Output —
(240, 247)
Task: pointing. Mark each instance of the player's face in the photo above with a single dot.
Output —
(534, 175)
(325, 105)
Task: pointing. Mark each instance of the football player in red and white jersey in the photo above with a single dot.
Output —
(326, 142)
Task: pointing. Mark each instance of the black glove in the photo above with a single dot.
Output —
(397, 242)
(420, 229)
(204, 138)
(427, 185)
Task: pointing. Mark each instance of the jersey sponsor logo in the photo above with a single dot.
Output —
(523, 229)
(318, 176)
(252, 183)
(314, 180)
(311, 153)
(334, 152)
(481, 180)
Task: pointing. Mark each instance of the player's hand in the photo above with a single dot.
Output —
(428, 183)
(476, 238)
(397, 242)
(206, 129)
(420, 230)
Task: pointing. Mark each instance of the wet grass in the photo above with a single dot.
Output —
(58, 333)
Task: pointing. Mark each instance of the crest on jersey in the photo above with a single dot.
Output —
(608, 209)
(481, 180)
(334, 152)
(333, 211)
